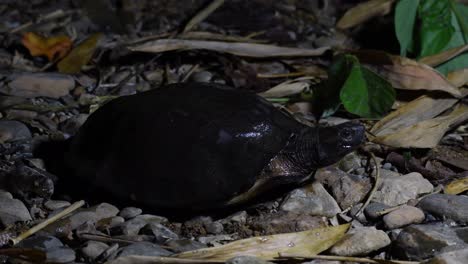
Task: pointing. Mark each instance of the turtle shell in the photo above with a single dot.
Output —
(181, 146)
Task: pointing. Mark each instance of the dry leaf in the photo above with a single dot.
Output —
(53, 48)
(363, 12)
(458, 78)
(424, 134)
(237, 48)
(420, 109)
(404, 73)
(267, 247)
(457, 186)
(80, 55)
(444, 56)
(287, 88)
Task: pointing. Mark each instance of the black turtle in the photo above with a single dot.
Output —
(199, 146)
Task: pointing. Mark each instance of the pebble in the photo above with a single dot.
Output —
(246, 260)
(185, 244)
(149, 218)
(312, 199)
(450, 206)
(11, 130)
(143, 249)
(287, 222)
(56, 204)
(214, 240)
(419, 242)
(399, 190)
(129, 228)
(43, 242)
(239, 217)
(13, 210)
(130, 212)
(403, 216)
(361, 241)
(160, 232)
(93, 214)
(387, 166)
(52, 85)
(110, 222)
(72, 124)
(93, 249)
(347, 189)
(201, 76)
(453, 257)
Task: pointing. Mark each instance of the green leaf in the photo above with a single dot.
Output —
(366, 94)
(405, 16)
(326, 99)
(436, 26)
(460, 23)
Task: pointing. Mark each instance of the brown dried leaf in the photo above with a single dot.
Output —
(80, 55)
(404, 73)
(424, 134)
(420, 109)
(237, 48)
(456, 186)
(364, 12)
(287, 88)
(443, 56)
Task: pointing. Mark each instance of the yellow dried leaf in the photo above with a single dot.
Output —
(443, 56)
(458, 78)
(80, 55)
(267, 247)
(364, 12)
(457, 186)
(53, 48)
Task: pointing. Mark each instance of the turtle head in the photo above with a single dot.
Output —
(334, 142)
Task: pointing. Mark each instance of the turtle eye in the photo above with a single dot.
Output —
(346, 134)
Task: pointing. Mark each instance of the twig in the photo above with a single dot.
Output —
(204, 13)
(374, 188)
(190, 72)
(53, 15)
(343, 258)
(34, 229)
(165, 260)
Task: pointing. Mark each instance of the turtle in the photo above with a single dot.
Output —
(191, 146)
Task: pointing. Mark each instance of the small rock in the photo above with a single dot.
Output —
(130, 212)
(93, 249)
(399, 190)
(93, 214)
(52, 85)
(104, 210)
(247, 260)
(55, 204)
(312, 199)
(453, 257)
(181, 245)
(11, 130)
(387, 166)
(373, 210)
(239, 217)
(202, 76)
(214, 240)
(286, 222)
(419, 242)
(350, 162)
(403, 216)
(60, 255)
(160, 232)
(450, 206)
(347, 189)
(71, 125)
(153, 218)
(130, 227)
(13, 210)
(110, 222)
(214, 228)
(143, 249)
(361, 241)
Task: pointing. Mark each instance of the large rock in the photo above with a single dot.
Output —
(361, 241)
(450, 206)
(396, 190)
(419, 242)
(12, 210)
(453, 257)
(11, 130)
(312, 199)
(403, 216)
